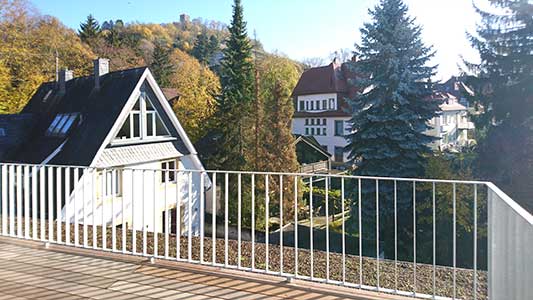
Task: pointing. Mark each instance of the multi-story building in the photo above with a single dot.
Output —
(321, 110)
(452, 124)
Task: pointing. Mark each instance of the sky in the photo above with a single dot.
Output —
(297, 28)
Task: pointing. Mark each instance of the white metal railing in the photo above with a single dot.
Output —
(415, 237)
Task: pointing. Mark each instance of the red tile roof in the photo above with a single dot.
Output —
(321, 80)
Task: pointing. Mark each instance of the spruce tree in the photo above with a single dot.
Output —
(90, 29)
(201, 48)
(237, 80)
(505, 97)
(161, 65)
(390, 112)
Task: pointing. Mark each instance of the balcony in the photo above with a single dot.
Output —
(304, 235)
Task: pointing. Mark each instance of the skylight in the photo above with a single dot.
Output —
(61, 124)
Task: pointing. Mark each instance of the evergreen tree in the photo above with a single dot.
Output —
(237, 80)
(89, 30)
(391, 110)
(201, 48)
(161, 66)
(505, 97)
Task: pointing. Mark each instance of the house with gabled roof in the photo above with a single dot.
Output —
(113, 123)
(320, 109)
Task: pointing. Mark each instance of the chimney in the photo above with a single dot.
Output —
(101, 67)
(64, 76)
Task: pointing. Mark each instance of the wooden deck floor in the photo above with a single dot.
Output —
(29, 271)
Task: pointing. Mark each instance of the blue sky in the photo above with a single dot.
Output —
(297, 28)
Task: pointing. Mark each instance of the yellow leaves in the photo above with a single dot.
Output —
(28, 47)
(197, 86)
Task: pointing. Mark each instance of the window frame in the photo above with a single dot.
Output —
(169, 177)
(107, 181)
(342, 127)
(143, 135)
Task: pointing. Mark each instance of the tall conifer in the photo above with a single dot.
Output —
(505, 97)
(391, 111)
(237, 79)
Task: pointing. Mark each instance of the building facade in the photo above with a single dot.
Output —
(320, 108)
(120, 130)
(452, 125)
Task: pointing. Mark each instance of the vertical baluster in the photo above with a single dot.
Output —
(42, 198)
(214, 220)
(360, 236)
(239, 199)
(267, 203)
(34, 206)
(295, 226)
(19, 207)
(122, 184)
(253, 221)
(58, 204)
(326, 183)
(312, 262)
(12, 200)
(189, 227)
(76, 207)
(434, 242)
(83, 182)
(4, 199)
(178, 217)
(226, 200)
(454, 243)
(113, 211)
(94, 196)
(156, 207)
(50, 204)
(67, 205)
(166, 173)
(377, 233)
(202, 215)
(133, 217)
(144, 207)
(475, 242)
(395, 237)
(26, 188)
(281, 224)
(414, 238)
(343, 233)
(105, 192)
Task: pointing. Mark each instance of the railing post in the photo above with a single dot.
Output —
(510, 240)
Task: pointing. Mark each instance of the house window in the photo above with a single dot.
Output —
(339, 154)
(323, 131)
(312, 121)
(312, 105)
(306, 105)
(324, 104)
(306, 121)
(317, 104)
(312, 131)
(306, 131)
(339, 127)
(168, 171)
(61, 124)
(324, 122)
(112, 182)
(325, 147)
(302, 106)
(331, 103)
(143, 122)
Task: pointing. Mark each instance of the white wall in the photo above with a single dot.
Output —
(330, 139)
(142, 192)
(318, 97)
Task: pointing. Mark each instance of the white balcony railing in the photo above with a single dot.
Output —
(416, 237)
